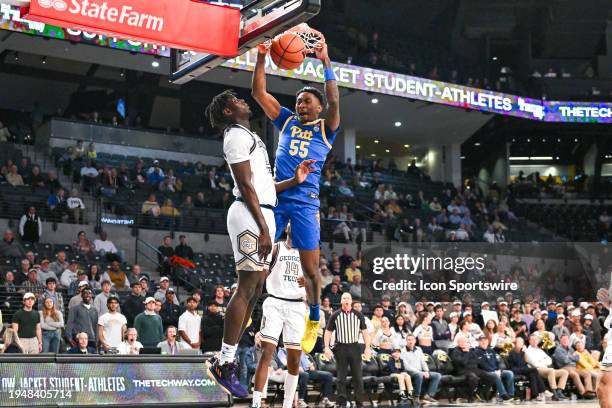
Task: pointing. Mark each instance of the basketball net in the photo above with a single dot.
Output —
(313, 39)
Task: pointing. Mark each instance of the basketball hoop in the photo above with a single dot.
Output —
(313, 39)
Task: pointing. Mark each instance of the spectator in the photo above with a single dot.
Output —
(51, 323)
(52, 183)
(101, 300)
(135, 275)
(211, 328)
(59, 265)
(424, 334)
(167, 211)
(414, 362)
(386, 339)
(170, 312)
(11, 299)
(78, 299)
(93, 277)
(189, 324)
(5, 134)
(30, 226)
(130, 346)
(56, 203)
(347, 324)
(82, 318)
(155, 175)
(22, 274)
(11, 342)
(150, 207)
(91, 151)
(170, 346)
(26, 323)
(9, 248)
(89, 175)
(117, 277)
(70, 275)
(44, 272)
(537, 358)
(396, 369)
(355, 289)
(465, 362)
(107, 248)
(516, 360)
(133, 305)
(441, 332)
(200, 201)
(32, 285)
(166, 252)
(149, 325)
(164, 283)
(83, 245)
(565, 357)
(50, 292)
(14, 178)
(76, 207)
(35, 179)
(586, 363)
(487, 361)
(80, 281)
(183, 250)
(224, 184)
(144, 283)
(112, 325)
(82, 345)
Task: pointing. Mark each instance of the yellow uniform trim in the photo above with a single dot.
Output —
(285, 125)
(323, 133)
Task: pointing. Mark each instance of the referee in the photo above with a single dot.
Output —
(348, 325)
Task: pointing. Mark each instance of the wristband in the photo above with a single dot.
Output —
(329, 75)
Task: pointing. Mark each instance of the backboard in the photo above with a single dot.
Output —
(260, 20)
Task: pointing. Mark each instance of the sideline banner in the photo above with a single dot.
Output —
(118, 383)
(183, 24)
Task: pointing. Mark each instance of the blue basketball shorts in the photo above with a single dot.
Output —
(305, 226)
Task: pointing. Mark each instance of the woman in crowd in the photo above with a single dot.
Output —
(402, 327)
(453, 324)
(490, 330)
(503, 339)
(559, 329)
(386, 338)
(11, 342)
(424, 334)
(94, 277)
(326, 276)
(51, 323)
(150, 207)
(547, 339)
(30, 226)
(326, 308)
(83, 245)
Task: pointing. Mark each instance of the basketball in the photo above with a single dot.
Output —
(287, 51)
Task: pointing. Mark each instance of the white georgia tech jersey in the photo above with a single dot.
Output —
(285, 270)
(240, 145)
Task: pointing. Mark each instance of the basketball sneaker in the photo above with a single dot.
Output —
(309, 340)
(226, 378)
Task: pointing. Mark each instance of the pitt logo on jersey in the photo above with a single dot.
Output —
(298, 132)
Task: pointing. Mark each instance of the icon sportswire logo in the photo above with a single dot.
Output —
(102, 11)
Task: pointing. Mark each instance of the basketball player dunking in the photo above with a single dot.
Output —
(250, 224)
(303, 135)
(604, 390)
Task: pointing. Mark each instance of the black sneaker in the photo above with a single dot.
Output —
(403, 396)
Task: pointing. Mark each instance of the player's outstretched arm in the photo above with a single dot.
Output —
(268, 103)
(331, 90)
(242, 173)
(301, 172)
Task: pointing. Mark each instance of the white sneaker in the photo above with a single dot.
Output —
(541, 398)
(327, 403)
(548, 394)
(302, 404)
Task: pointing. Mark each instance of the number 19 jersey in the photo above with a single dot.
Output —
(297, 142)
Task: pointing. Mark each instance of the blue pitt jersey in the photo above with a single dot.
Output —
(299, 142)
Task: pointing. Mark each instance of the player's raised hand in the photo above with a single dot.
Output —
(303, 170)
(265, 245)
(321, 52)
(264, 47)
(603, 295)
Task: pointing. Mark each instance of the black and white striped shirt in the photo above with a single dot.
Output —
(347, 325)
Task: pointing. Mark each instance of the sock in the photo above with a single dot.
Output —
(314, 313)
(256, 399)
(227, 353)
(291, 383)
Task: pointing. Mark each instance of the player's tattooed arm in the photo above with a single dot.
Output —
(268, 103)
(301, 172)
(242, 173)
(331, 91)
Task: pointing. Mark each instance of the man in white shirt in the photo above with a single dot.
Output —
(105, 246)
(189, 324)
(130, 345)
(170, 345)
(70, 274)
(415, 365)
(537, 358)
(111, 325)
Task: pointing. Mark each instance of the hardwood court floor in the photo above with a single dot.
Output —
(525, 404)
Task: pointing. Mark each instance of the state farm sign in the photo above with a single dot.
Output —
(183, 24)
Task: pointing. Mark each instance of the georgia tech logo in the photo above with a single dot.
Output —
(59, 5)
(247, 243)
